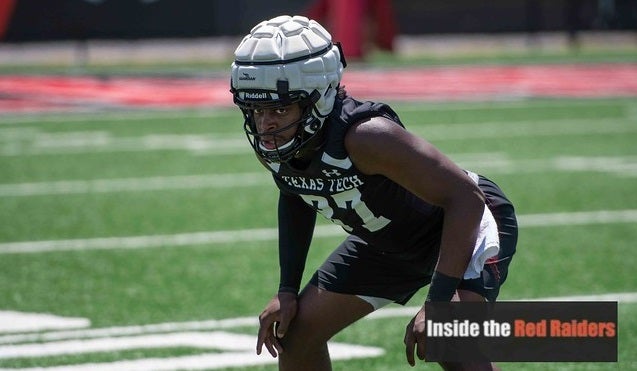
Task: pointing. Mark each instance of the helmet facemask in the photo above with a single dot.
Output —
(307, 127)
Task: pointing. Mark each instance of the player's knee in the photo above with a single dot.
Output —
(305, 334)
(302, 342)
(304, 353)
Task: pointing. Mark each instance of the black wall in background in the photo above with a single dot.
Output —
(133, 19)
(442, 16)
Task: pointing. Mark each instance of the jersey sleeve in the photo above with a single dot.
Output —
(296, 227)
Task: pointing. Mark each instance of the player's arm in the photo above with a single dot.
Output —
(296, 226)
(380, 146)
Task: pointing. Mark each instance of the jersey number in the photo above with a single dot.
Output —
(344, 203)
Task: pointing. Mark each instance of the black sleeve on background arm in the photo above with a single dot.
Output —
(296, 226)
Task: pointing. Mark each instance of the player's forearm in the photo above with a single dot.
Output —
(460, 231)
(296, 225)
(459, 236)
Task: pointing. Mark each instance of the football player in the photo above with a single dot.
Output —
(413, 217)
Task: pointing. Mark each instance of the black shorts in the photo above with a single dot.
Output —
(355, 268)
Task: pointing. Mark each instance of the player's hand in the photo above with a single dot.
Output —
(415, 337)
(276, 316)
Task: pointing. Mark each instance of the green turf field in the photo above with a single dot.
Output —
(160, 225)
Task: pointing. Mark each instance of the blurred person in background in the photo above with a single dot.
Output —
(359, 25)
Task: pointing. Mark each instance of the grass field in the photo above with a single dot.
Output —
(158, 228)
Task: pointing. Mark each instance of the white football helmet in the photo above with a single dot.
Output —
(282, 61)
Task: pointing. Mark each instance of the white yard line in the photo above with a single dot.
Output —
(517, 129)
(224, 350)
(271, 234)
(13, 321)
(134, 184)
(228, 349)
(252, 321)
(489, 162)
(578, 218)
(30, 141)
(26, 142)
(129, 117)
(622, 297)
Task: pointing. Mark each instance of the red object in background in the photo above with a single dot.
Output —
(41, 93)
(6, 10)
(355, 23)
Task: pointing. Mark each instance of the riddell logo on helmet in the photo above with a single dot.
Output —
(247, 77)
(249, 95)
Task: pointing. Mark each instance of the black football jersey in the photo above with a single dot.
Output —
(376, 209)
